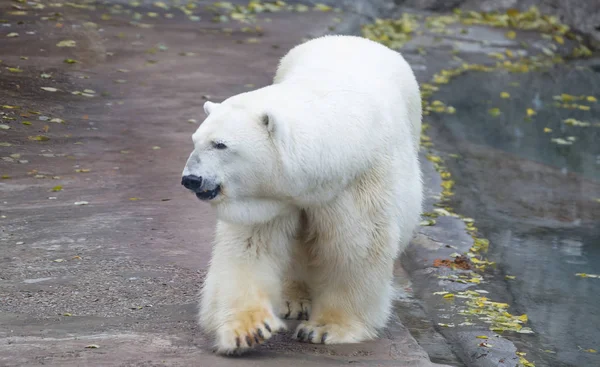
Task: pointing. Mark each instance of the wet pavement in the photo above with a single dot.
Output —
(535, 199)
(102, 252)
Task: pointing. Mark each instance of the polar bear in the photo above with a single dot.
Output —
(316, 184)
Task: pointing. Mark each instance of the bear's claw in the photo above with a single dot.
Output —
(246, 331)
(298, 309)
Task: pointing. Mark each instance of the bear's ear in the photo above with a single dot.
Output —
(268, 122)
(209, 107)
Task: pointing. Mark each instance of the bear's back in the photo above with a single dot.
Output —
(338, 62)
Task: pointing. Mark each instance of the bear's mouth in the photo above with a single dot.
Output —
(209, 194)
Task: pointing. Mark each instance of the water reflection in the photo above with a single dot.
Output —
(535, 199)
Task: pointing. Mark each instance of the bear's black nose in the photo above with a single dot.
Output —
(192, 182)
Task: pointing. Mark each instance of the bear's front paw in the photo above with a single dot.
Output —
(317, 333)
(246, 330)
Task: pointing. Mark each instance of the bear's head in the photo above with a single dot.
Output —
(234, 165)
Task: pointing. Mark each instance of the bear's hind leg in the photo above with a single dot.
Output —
(352, 247)
(296, 300)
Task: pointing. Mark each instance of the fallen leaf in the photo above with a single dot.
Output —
(70, 61)
(49, 89)
(81, 203)
(12, 34)
(67, 314)
(57, 188)
(39, 138)
(547, 130)
(494, 111)
(482, 337)
(66, 43)
(511, 35)
(93, 346)
(509, 277)
(559, 39)
(530, 112)
(504, 95)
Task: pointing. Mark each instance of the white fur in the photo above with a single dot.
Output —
(321, 191)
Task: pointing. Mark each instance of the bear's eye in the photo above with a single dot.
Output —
(219, 145)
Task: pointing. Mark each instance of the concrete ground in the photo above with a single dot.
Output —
(102, 251)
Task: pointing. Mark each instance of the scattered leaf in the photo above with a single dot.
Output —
(494, 111)
(12, 34)
(39, 138)
(504, 95)
(81, 203)
(57, 188)
(70, 61)
(49, 89)
(93, 346)
(66, 43)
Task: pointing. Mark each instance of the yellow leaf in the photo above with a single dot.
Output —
(511, 35)
(323, 7)
(494, 111)
(590, 350)
(134, 199)
(547, 130)
(39, 138)
(530, 112)
(559, 40)
(504, 95)
(482, 337)
(57, 188)
(66, 43)
(591, 99)
(449, 295)
(508, 277)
